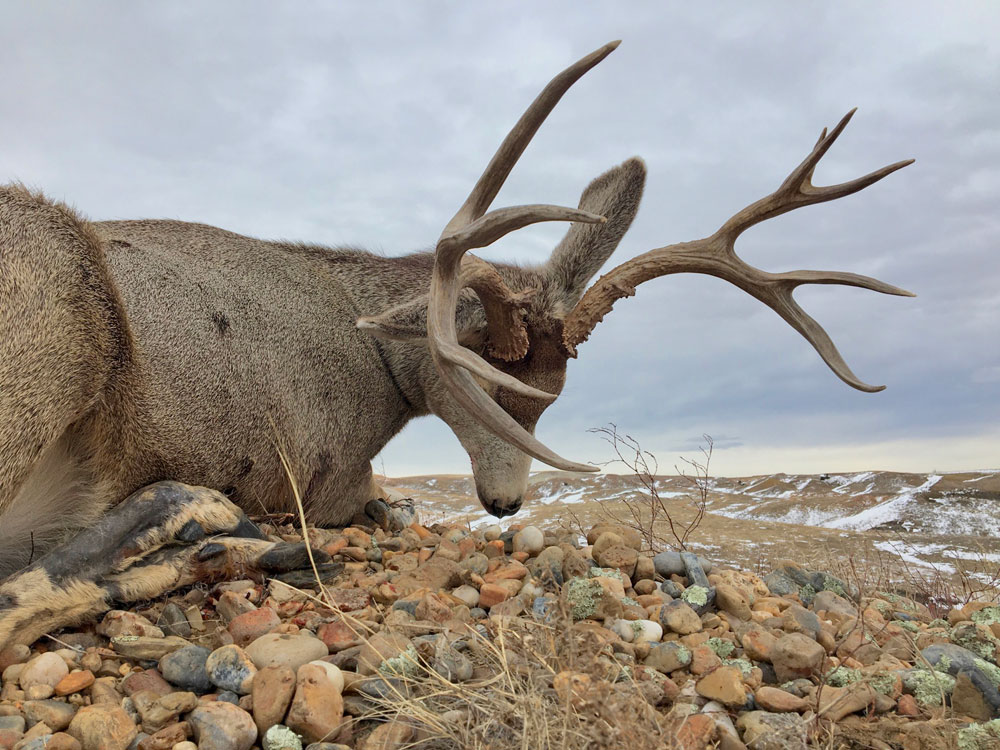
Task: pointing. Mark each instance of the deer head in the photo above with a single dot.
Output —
(499, 381)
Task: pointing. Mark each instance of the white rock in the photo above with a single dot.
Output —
(492, 533)
(647, 631)
(624, 630)
(530, 540)
(468, 595)
(333, 673)
(530, 591)
(44, 669)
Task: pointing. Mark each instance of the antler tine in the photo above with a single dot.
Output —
(797, 190)
(472, 227)
(716, 256)
(520, 136)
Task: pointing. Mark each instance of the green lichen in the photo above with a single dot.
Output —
(908, 625)
(807, 593)
(683, 652)
(721, 646)
(889, 597)
(406, 664)
(695, 595)
(830, 583)
(928, 685)
(743, 664)
(882, 607)
(280, 737)
(969, 638)
(628, 601)
(842, 676)
(979, 736)
(937, 622)
(883, 683)
(636, 627)
(583, 596)
(992, 671)
(944, 662)
(987, 615)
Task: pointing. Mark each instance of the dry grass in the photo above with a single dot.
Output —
(543, 686)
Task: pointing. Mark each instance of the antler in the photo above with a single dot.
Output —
(472, 227)
(716, 256)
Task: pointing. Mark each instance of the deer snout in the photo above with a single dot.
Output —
(501, 508)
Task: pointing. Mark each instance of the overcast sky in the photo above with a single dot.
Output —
(335, 123)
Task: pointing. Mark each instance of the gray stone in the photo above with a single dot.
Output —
(693, 570)
(547, 567)
(172, 621)
(668, 657)
(671, 589)
(16, 723)
(780, 584)
(229, 668)
(452, 665)
(668, 563)
(185, 668)
(955, 660)
(831, 602)
(56, 715)
(476, 563)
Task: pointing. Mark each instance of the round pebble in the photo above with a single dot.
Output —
(185, 668)
(45, 669)
(229, 668)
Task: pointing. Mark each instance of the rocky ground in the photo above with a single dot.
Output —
(441, 636)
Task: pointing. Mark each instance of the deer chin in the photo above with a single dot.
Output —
(501, 481)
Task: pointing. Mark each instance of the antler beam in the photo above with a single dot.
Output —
(472, 227)
(716, 256)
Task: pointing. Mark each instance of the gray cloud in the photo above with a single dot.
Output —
(339, 124)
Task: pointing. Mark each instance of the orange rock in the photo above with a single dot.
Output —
(703, 659)
(698, 732)
(836, 703)
(907, 706)
(757, 643)
(571, 687)
(339, 635)
(74, 682)
(723, 684)
(467, 546)
(510, 570)
(317, 708)
(494, 548)
(520, 556)
(334, 547)
(777, 700)
(420, 530)
(392, 735)
(491, 594)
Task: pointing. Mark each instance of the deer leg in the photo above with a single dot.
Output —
(160, 538)
(388, 509)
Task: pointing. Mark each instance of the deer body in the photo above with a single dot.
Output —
(140, 351)
(202, 353)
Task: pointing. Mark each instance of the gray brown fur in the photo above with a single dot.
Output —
(137, 351)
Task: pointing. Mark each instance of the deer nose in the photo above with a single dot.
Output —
(501, 508)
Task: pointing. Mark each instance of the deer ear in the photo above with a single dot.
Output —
(404, 322)
(407, 321)
(614, 195)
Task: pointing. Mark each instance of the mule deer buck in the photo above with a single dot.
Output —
(161, 358)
